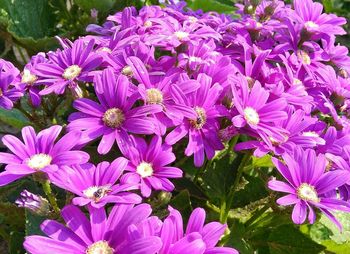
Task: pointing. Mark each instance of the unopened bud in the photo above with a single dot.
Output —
(34, 203)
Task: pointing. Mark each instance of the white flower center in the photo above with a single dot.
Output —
(180, 35)
(311, 24)
(201, 119)
(304, 57)
(104, 49)
(147, 23)
(100, 247)
(27, 77)
(127, 71)
(154, 96)
(144, 169)
(307, 192)
(192, 19)
(113, 117)
(297, 81)
(194, 59)
(71, 72)
(39, 161)
(97, 192)
(310, 134)
(251, 116)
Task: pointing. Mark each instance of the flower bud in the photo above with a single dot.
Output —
(34, 203)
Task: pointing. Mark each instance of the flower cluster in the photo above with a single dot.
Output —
(274, 79)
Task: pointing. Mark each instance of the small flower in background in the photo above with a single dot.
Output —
(308, 184)
(102, 234)
(68, 66)
(98, 185)
(149, 165)
(114, 117)
(39, 153)
(34, 203)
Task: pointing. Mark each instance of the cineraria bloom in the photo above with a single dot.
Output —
(159, 93)
(39, 153)
(198, 237)
(116, 233)
(148, 165)
(203, 129)
(66, 67)
(96, 185)
(310, 16)
(308, 184)
(254, 110)
(34, 203)
(8, 93)
(114, 117)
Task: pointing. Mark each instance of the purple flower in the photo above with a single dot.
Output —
(116, 233)
(39, 153)
(148, 165)
(198, 237)
(308, 184)
(66, 67)
(8, 93)
(114, 117)
(98, 185)
(34, 203)
(202, 129)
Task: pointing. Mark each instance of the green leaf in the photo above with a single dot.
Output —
(16, 243)
(182, 202)
(211, 5)
(287, 239)
(100, 5)
(33, 222)
(236, 238)
(14, 118)
(12, 215)
(31, 22)
(263, 162)
(337, 236)
(336, 248)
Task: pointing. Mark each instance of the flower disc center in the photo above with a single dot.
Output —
(251, 116)
(307, 192)
(180, 35)
(127, 71)
(39, 161)
(201, 119)
(304, 57)
(154, 96)
(28, 77)
(100, 247)
(310, 25)
(113, 117)
(97, 192)
(144, 169)
(71, 72)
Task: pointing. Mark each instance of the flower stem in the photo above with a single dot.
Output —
(227, 203)
(51, 197)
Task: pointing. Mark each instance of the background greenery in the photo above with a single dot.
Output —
(256, 224)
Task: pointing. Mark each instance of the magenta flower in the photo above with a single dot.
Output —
(39, 153)
(116, 233)
(98, 185)
(148, 165)
(198, 237)
(8, 93)
(308, 185)
(203, 129)
(255, 112)
(114, 117)
(66, 67)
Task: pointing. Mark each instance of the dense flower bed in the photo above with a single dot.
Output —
(153, 84)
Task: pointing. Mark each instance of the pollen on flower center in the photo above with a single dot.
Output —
(147, 23)
(251, 116)
(104, 49)
(113, 117)
(307, 192)
(154, 96)
(127, 71)
(201, 119)
(310, 24)
(297, 81)
(304, 57)
(39, 161)
(310, 134)
(100, 247)
(71, 72)
(144, 169)
(181, 35)
(97, 192)
(27, 77)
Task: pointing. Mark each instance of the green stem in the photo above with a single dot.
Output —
(51, 197)
(256, 215)
(226, 205)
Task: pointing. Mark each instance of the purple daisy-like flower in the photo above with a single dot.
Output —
(8, 93)
(148, 165)
(254, 110)
(39, 153)
(116, 233)
(66, 67)
(308, 185)
(98, 185)
(203, 129)
(198, 237)
(114, 117)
